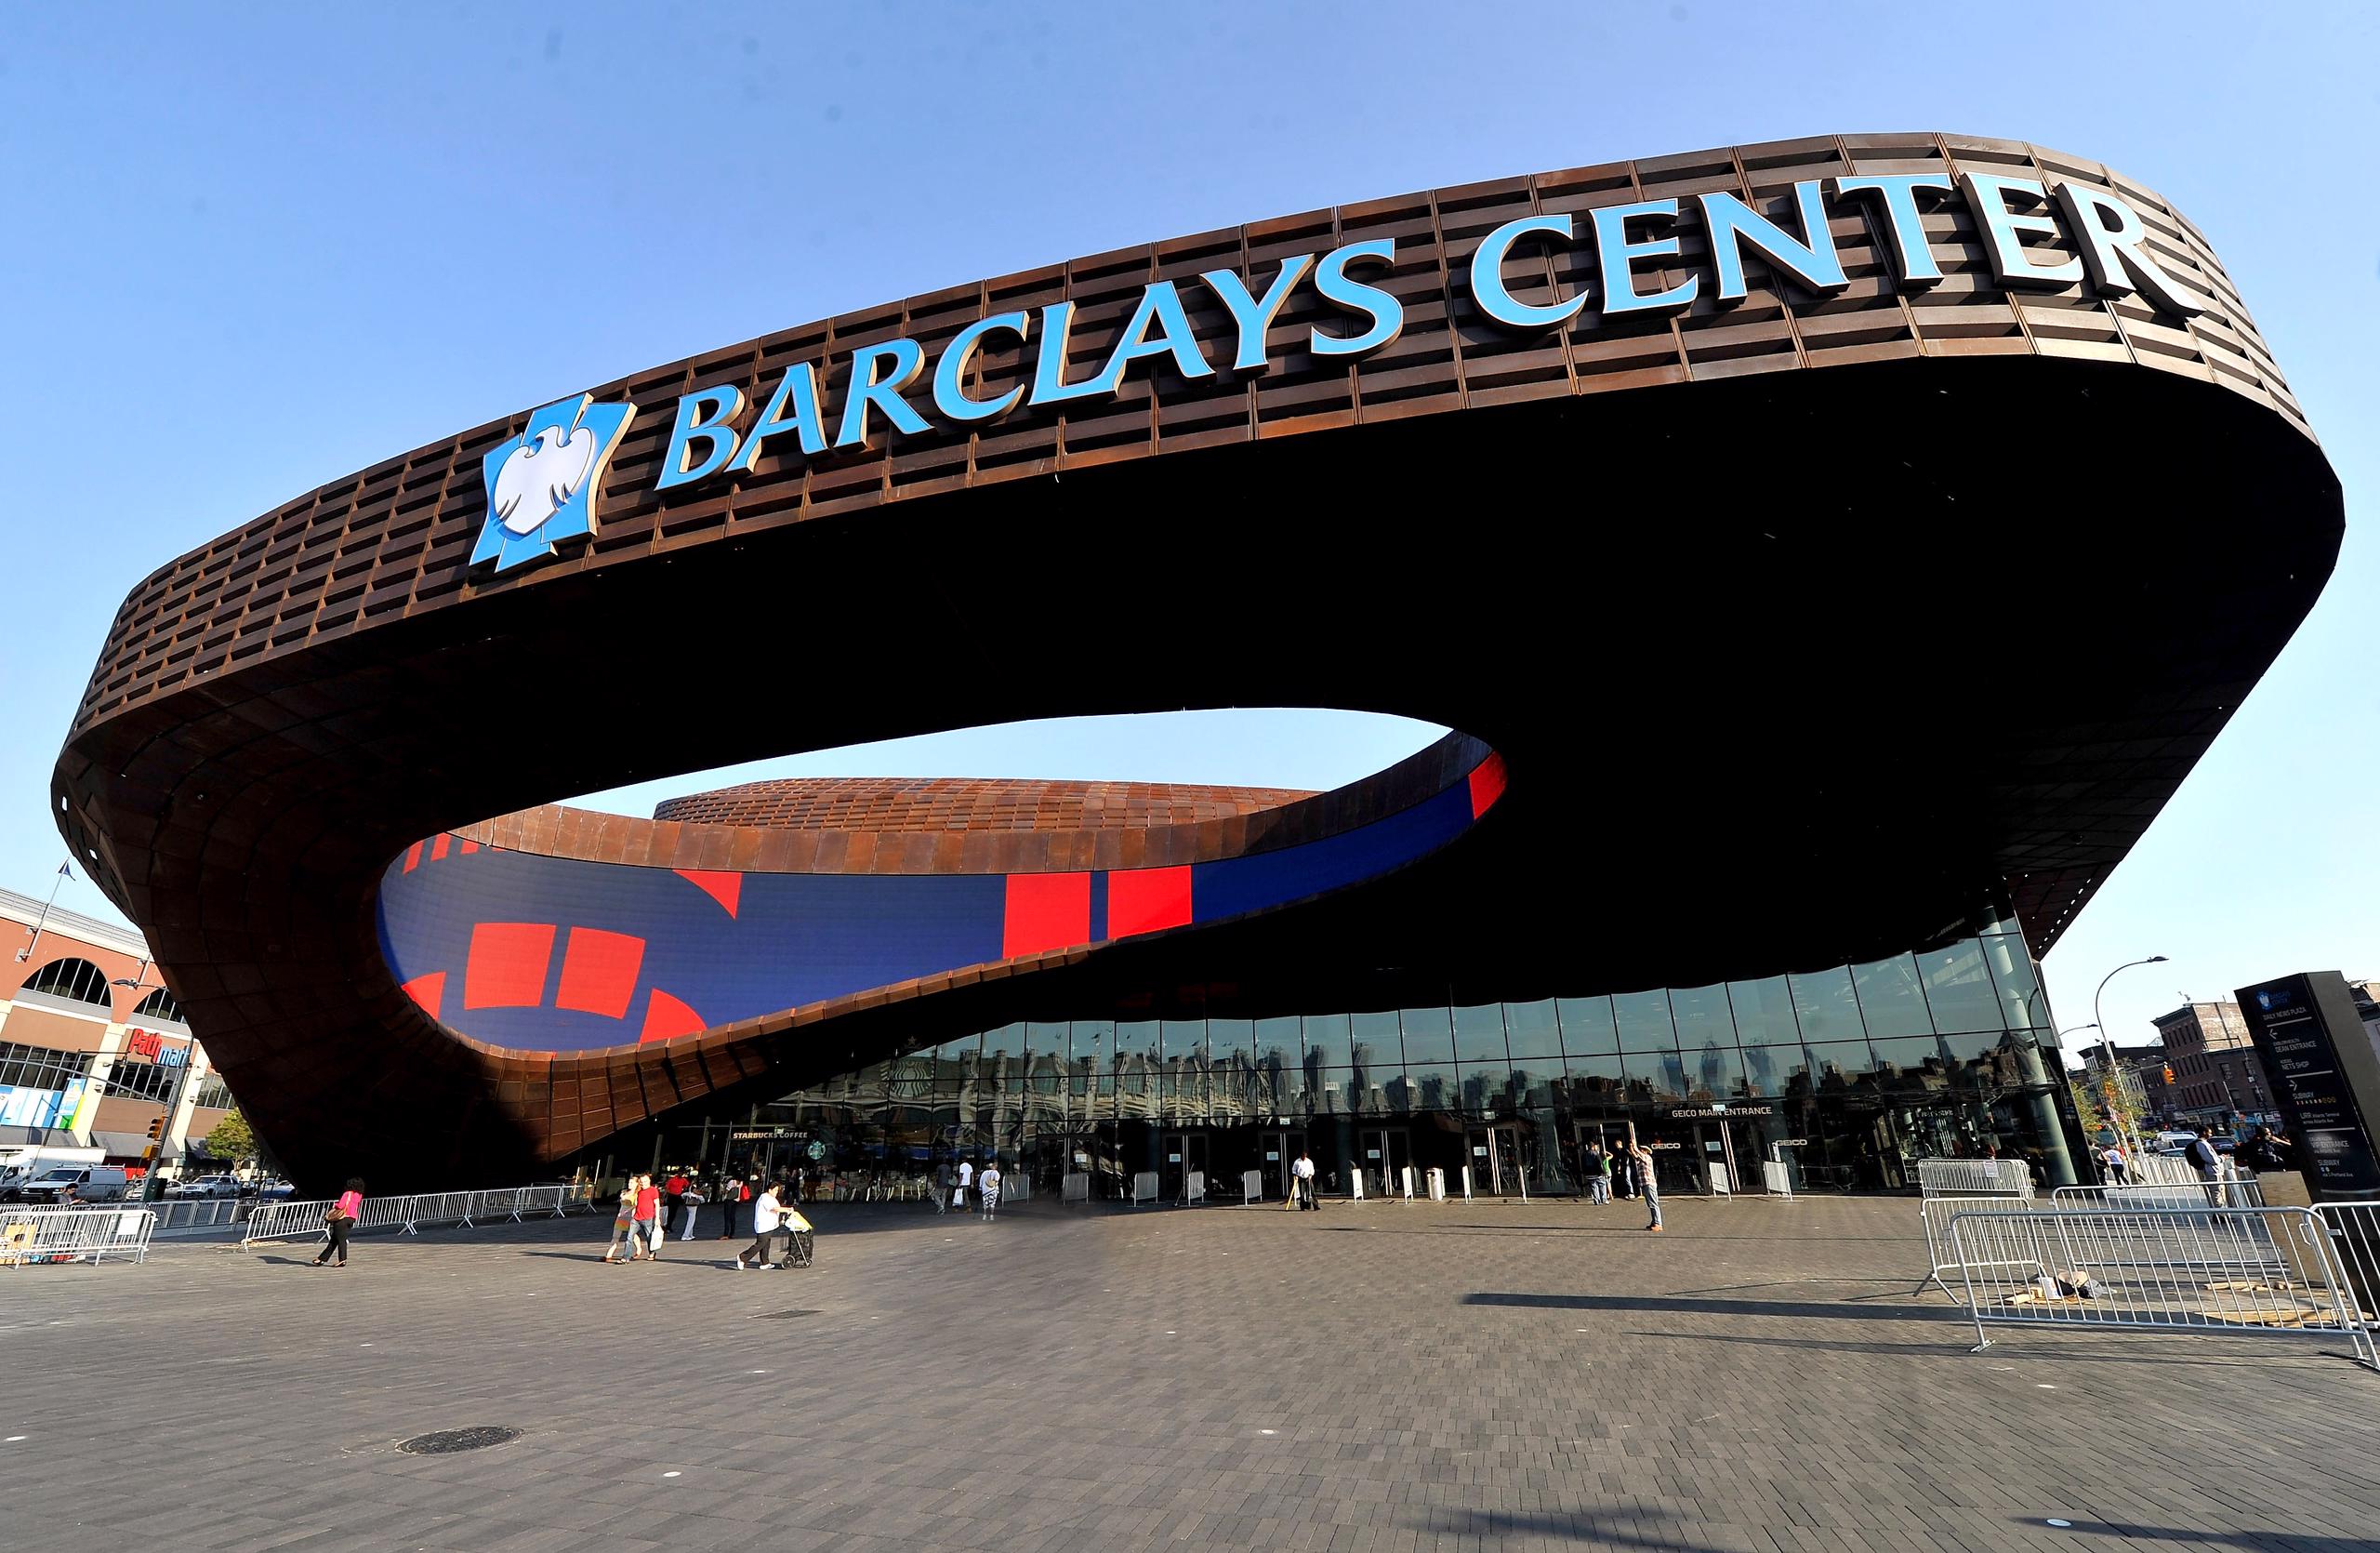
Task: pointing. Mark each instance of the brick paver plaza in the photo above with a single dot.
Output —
(1447, 1377)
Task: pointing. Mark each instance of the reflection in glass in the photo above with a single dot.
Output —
(1479, 1033)
(1595, 1078)
(1657, 1077)
(1327, 1040)
(1429, 1036)
(2012, 972)
(1889, 999)
(1586, 1026)
(1824, 1006)
(1958, 989)
(1532, 1030)
(1764, 1012)
(1643, 1019)
(1702, 1018)
(1376, 1042)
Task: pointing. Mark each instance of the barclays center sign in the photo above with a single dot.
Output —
(542, 484)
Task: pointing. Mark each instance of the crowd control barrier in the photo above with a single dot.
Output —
(1975, 1179)
(288, 1221)
(185, 1215)
(1935, 1212)
(2237, 1271)
(30, 1236)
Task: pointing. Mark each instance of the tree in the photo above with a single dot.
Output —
(2103, 1106)
(232, 1139)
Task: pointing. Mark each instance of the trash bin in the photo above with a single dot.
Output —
(1437, 1185)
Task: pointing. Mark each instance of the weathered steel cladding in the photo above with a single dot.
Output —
(392, 540)
(268, 707)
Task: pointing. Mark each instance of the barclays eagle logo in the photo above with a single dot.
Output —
(541, 484)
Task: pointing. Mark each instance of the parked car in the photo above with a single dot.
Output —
(204, 1186)
(90, 1183)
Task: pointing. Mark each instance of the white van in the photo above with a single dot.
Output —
(90, 1183)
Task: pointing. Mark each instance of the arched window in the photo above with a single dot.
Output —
(159, 1005)
(77, 980)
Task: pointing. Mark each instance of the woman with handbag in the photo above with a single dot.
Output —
(624, 1225)
(342, 1222)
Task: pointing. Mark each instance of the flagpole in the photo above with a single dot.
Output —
(64, 873)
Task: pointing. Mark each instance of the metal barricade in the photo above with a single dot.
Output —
(1936, 1214)
(408, 1215)
(1145, 1186)
(2234, 1271)
(2160, 1170)
(1975, 1179)
(1075, 1186)
(2234, 1191)
(1251, 1185)
(30, 1236)
(190, 1216)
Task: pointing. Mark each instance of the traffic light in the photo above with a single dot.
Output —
(2169, 1072)
(156, 1129)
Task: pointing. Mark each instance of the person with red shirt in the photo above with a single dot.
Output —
(648, 1220)
(673, 1196)
(342, 1222)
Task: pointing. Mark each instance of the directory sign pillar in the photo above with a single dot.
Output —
(2325, 1077)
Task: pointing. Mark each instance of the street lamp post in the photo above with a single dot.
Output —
(153, 1187)
(2108, 1049)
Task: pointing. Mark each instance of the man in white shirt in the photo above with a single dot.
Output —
(966, 1183)
(1302, 1181)
(768, 1218)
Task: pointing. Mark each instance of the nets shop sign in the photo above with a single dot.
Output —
(541, 484)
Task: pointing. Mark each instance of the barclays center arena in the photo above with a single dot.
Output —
(1826, 558)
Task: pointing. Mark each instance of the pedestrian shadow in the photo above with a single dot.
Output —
(1829, 1310)
(1601, 1529)
(2296, 1542)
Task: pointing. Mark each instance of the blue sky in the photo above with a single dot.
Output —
(253, 248)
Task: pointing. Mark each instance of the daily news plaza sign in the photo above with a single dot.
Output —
(541, 484)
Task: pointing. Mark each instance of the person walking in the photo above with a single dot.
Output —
(988, 1188)
(768, 1215)
(673, 1196)
(1640, 1161)
(623, 1225)
(694, 1209)
(1302, 1182)
(731, 1197)
(966, 1183)
(2203, 1156)
(340, 1221)
(1598, 1174)
(942, 1185)
(648, 1220)
(2119, 1172)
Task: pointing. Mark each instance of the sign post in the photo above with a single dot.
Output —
(2325, 1077)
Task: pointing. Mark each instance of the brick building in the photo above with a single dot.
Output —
(91, 1042)
(2217, 1074)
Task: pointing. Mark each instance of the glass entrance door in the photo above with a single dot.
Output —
(1382, 1154)
(1280, 1151)
(1498, 1164)
(1184, 1153)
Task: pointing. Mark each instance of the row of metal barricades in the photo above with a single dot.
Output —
(2203, 1256)
(32, 1236)
(406, 1216)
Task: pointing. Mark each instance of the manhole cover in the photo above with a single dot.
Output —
(782, 1315)
(445, 1442)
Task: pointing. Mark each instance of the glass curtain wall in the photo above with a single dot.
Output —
(1843, 1076)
